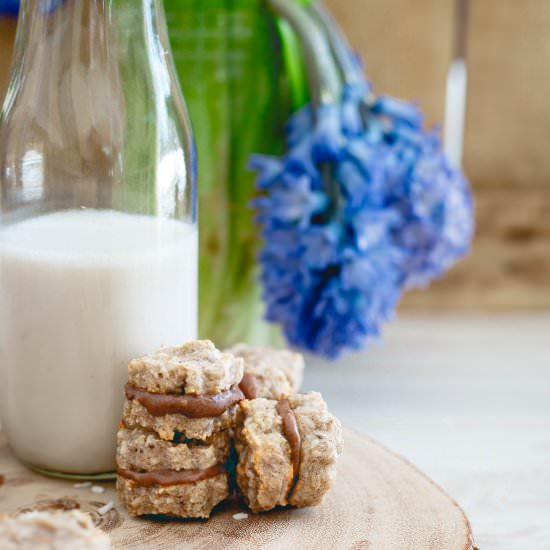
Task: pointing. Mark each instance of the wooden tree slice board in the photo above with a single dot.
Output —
(379, 502)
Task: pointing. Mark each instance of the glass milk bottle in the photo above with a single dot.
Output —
(98, 240)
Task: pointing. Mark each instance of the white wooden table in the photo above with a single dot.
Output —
(467, 400)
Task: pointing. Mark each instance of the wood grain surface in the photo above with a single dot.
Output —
(379, 502)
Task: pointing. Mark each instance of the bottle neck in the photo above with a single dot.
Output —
(93, 43)
(87, 30)
(86, 76)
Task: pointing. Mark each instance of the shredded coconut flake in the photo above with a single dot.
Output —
(240, 515)
(98, 489)
(104, 509)
(82, 485)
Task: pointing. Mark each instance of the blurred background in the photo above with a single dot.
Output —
(408, 48)
(461, 385)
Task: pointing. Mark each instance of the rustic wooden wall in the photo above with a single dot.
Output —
(407, 46)
(506, 157)
(509, 111)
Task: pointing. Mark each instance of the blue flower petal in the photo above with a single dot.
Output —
(299, 126)
(402, 111)
(327, 135)
(363, 205)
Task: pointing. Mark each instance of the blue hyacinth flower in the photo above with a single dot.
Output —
(363, 205)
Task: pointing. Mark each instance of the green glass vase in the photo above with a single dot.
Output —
(229, 62)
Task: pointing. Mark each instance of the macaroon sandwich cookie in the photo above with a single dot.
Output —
(287, 451)
(269, 372)
(184, 478)
(191, 389)
(71, 530)
(173, 441)
(142, 450)
(174, 496)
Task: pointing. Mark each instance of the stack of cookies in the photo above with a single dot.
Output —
(184, 406)
(174, 440)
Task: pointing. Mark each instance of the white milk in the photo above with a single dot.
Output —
(81, 293)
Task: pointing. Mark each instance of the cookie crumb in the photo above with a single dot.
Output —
(240, 515)
(104, 509)
(82, 485)
(98, 489)
(57, 529)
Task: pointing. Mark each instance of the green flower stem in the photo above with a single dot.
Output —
(338, 43)
(294, 66)
(349, 71)
(324, 81)
(325, 78)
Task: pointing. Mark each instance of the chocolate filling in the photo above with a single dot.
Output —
(249, 385)
(192, 406)
(165, 478)
(292, 435)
